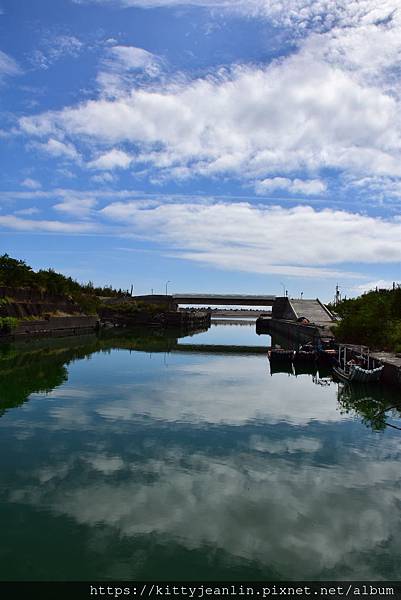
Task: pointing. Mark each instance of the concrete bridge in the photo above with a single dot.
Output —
(224, 299)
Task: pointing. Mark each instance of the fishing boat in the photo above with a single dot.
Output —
(282, 366)
(280, 354)
(352, 371)
(305, 353)
(305, 367)
(327, 356)
(327, 352)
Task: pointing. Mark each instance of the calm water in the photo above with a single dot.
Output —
(124, 458)
(235, 332)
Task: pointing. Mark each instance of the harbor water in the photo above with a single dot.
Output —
(128, 457)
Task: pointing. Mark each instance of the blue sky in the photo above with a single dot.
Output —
(225, 146)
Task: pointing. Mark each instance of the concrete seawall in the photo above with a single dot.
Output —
(54, 326)
(296, 333)
(392, 369)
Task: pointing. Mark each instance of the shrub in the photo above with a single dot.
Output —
(373, 319)
(16, 273)
(7, 324)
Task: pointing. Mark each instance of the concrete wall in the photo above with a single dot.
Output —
(295, 332)
(282, 309)
(391, 375)
(56, 325)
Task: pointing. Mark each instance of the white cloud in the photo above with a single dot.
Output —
(104, 463)
(78, 207)
(103, 178)
(111, 160)
(20, 224)
(253, 121)
(54, 48)
(32, 184)
(373, 285)
(8, 66)
(59, 149)
(301, 516)
(233, 235)
(309, 187)
(165, 402)
(267, 497)
(244, 237)
(27, 211)
(302, 14)
(289, 445)
(67, 192)
(123, 67)
(334, 103)
(357, 33)
(131, 58)
(381, 188)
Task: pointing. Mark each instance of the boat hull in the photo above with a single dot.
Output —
(365, 375)
(356, 373)
(341, 374)
(281, 355)
(305, 356)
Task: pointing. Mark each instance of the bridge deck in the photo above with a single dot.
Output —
(225, 299)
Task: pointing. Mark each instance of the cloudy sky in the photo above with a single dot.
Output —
(223, 145)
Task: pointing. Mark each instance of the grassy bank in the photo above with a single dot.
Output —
(29, 295)
(55, 288)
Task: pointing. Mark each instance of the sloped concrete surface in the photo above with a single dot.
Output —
(312, 310)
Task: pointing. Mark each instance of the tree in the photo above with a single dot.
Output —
(14, 272)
